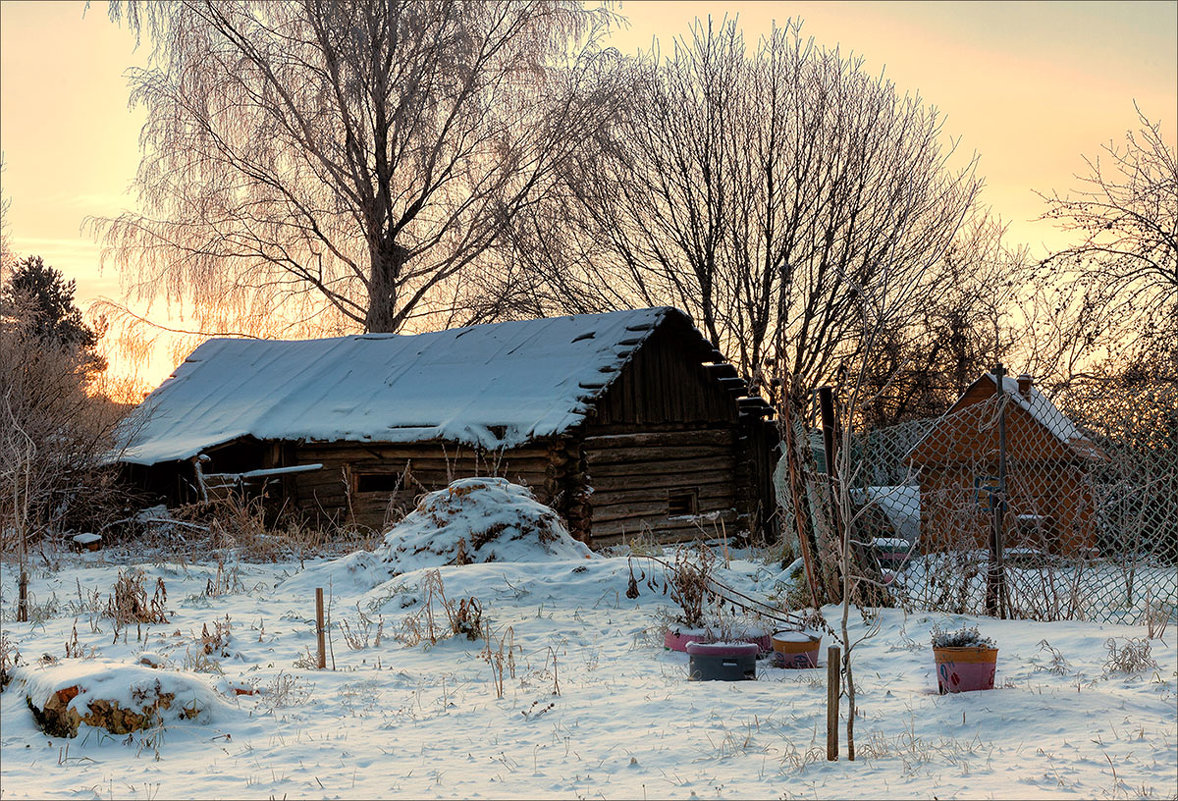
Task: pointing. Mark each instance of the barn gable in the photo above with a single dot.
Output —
(1037, 429)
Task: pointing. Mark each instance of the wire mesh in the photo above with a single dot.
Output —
(1007, 505)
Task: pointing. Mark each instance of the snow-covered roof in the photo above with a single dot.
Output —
(495, 385)
(901, 505)
(1050, 417)
(1042, 410)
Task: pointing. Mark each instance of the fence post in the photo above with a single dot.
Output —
(322, 654)
(806, 539)
(996, 600)
(830, 450)
(22, 598)
(832, 703)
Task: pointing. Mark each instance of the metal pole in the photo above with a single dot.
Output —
(1000, 530)
(996, 600)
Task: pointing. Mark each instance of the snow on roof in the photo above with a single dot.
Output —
(495, 385)
(1043, 410)
(900, 504)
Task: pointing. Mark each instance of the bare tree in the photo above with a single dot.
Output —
(762, 192)
(1117, 288)
(969, 313)
(343, 165)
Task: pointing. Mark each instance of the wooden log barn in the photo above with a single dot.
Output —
(1050, 501)
(625, 422)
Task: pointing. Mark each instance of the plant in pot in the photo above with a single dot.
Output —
(687, 582)
(965, 660)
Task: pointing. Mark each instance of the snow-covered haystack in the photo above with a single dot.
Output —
(118, 697)
(478, 520)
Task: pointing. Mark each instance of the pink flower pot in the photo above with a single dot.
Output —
(961, 670)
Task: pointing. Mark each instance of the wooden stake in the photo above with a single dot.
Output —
(319, 628)
(832, 703)
(22, 602)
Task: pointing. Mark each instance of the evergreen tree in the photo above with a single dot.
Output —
(54, 319)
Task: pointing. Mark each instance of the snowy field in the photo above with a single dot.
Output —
(590, 705)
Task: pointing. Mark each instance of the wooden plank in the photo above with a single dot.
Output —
(656, 454)
(691, 436)
(721, 464)
(652, 510)
(633, 528)
(619, 483)
(708, 493)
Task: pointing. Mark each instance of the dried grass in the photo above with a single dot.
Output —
(1131, 655)
(425, 625)
(128, 602)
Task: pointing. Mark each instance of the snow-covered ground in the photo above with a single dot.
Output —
(591, 704)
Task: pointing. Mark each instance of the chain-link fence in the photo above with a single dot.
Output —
(1008, 506)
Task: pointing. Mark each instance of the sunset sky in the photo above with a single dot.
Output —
(1029, 86)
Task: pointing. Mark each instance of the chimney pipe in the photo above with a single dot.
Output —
(1024, 385)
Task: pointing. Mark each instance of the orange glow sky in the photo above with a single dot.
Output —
(1029, 86)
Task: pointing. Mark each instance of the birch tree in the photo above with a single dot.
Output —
(343, 165)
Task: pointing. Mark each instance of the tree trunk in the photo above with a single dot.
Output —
(388, 261)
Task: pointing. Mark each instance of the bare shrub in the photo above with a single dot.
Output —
(1157, 618)
(128, 603)
(284, 691)
(364, 632)
(254, 532)
(217, 640)
(226, 582)
(1132, 655)
(689, 579)
(56, 426)
(9, 658)
(1056, 662)
(499, 653)
(461, 617)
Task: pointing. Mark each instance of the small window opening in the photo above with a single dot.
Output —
(684, 502)
(377, 482)
(985, 490)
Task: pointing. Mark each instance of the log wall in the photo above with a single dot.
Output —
(634, 476)
(333, 493)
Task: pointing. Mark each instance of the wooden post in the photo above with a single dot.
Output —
(22, 602)
(832, 703)
(806, 541)
(322, 654)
